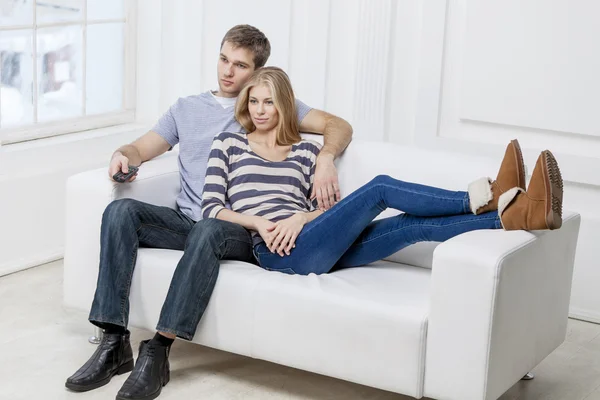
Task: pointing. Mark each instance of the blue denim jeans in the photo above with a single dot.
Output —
(346, 235)
(128, 224)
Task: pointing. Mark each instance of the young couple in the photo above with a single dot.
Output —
(286, 213)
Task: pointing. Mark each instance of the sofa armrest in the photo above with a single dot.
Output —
(499, 306)
(88, 195)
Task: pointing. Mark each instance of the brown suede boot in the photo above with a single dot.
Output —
(484, 193)
(541, 206)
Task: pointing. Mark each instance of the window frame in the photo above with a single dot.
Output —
(37, 130)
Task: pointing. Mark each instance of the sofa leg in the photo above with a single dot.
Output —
(528, 377)
(97, 336)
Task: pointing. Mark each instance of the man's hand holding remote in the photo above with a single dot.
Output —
(120, 163)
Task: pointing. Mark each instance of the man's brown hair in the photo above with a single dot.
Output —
(249, 37)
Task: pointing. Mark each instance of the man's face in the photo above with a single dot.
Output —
(233, 70)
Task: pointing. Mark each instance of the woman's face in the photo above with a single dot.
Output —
(262, 108)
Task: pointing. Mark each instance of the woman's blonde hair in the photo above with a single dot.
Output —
(284, 100)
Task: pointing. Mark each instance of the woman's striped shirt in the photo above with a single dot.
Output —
(256, 186)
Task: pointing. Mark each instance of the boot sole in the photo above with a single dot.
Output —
(123, 369)
(520, 163)
(554, 190)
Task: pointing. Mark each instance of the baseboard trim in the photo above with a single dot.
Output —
(30, 262)
(585, 315)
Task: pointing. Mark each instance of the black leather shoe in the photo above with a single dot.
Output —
(112, 357)
(150, 374)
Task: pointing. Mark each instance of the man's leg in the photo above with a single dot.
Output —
(192, 284)
(194, 279)
(126, 225)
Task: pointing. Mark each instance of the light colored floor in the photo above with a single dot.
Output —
(41, 344)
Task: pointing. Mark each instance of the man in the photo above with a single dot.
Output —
(127, 224)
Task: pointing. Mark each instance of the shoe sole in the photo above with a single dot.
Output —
(151, 396)
(554, 190)
(123, 369)
(520, 163)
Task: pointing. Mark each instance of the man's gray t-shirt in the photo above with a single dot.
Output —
(193, 122)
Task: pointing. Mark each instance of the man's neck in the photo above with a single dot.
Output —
(219, 93)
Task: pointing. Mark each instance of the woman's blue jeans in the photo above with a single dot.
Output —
(346, 235)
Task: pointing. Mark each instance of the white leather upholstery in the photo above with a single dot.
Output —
(366, 325)
(230, 311)
(493, 306)
(308, 322)
(499, 305)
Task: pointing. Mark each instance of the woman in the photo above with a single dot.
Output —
(267, 176)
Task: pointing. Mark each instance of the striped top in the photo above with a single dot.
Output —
(256, 186)
(193, 122)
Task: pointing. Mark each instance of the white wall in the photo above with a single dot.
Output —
(461, 75)
(356, 58)
(32, 192)
(500, 70)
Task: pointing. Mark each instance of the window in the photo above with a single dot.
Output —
(65, 66)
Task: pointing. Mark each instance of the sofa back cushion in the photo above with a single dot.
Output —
(363, 160)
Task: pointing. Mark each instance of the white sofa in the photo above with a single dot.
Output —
(491, 308)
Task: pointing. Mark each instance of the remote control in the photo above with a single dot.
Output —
(121, 177)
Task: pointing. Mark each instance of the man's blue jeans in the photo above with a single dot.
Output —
(128, 224)
(346, 235)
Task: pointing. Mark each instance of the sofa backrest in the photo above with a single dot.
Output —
(363, 160)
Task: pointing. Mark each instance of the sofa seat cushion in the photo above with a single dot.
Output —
(418, 255)
(228, 320)
(368, 324)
